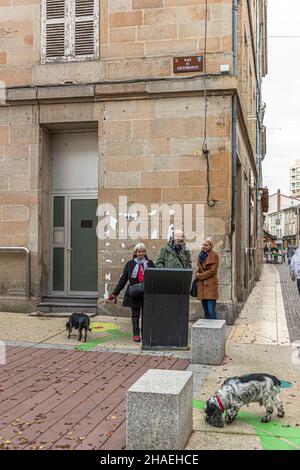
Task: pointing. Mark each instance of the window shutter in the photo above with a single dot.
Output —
(84, 27)
(69, 30)
(55, 9)
(55, 28)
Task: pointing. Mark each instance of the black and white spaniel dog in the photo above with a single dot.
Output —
(238, 391)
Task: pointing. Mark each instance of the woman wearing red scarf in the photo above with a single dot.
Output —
(134, 273)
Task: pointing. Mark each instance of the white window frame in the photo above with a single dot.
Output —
(70, 23)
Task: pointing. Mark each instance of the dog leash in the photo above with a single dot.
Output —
(60, 331)
(103, 301)
(50, 337)
(41, 342)
(53, 336)
(56, 334)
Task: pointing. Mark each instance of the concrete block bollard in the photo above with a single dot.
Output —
(159, 410)
(208, 342)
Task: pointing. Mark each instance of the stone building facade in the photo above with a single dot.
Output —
(282, 220)
(92, 110)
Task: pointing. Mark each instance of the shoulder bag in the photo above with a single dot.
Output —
(194, 290)
(136, 290)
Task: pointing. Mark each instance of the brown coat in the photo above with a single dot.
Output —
(208, 285)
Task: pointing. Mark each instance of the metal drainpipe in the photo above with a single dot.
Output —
(234, 153)
(234, 117)
(234, 194)
(235, 27)
(258, 124)
(234, 161)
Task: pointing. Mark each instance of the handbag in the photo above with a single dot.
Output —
(136, 290)
(194, 290)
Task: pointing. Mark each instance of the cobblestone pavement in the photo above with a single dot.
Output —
(291, 301)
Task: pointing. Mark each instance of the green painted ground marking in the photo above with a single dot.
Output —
(273, 435)
(111, 335)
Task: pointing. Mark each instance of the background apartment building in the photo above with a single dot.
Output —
(295, 179)
(282, 220)
(284, 225)
(97, 107)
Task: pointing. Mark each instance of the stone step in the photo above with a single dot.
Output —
(64, 308)
(77, 300)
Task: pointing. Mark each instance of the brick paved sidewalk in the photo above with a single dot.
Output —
(291, 301)
(59, 399)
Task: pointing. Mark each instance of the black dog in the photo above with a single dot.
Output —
(79, 321)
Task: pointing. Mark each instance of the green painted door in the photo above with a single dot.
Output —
(83, 256)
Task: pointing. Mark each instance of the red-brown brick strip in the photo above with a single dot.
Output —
(116, 417)
(180, 364)
(37, 365)
(66, 362)
(117, 440)
(115, 394)
(26, 358)
(61, 399)
(42, 406)
(81, 416)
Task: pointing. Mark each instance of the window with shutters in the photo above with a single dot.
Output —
(70, 30)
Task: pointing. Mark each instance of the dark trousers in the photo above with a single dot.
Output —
(135, 313)
(298, 285)
(209, 307)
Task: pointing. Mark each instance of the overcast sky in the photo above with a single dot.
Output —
(281, 93)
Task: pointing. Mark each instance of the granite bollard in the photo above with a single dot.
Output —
(159, 410)
(208, 342)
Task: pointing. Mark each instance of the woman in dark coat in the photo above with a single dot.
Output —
(134, 272)
(207, 285)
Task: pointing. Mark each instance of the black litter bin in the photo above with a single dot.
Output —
(166, 308)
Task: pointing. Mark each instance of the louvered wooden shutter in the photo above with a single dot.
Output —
(70, 30)
(55, 28)
(84, 27)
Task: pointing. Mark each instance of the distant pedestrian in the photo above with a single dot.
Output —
(208, 285)
(175, 254)
(274, 253)
(290, 254)
(295, 268)
(267, 255)
(134, 273)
